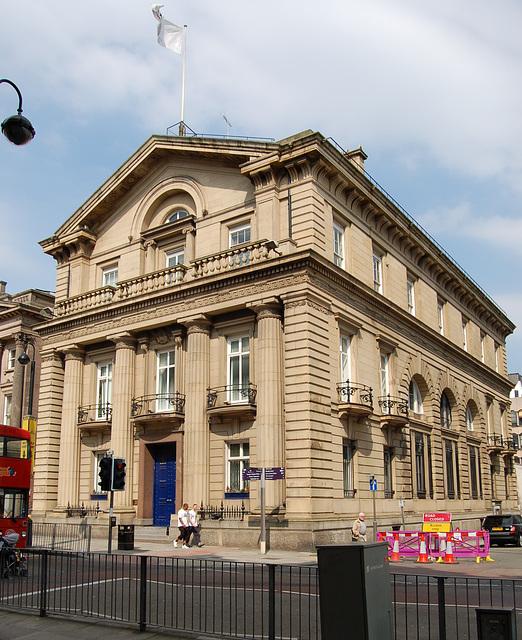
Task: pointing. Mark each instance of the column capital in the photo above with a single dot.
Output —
(197, 324)
(267, 308)
(124, 340)
(73, 352)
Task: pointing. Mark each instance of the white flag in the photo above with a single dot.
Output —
(169, 34)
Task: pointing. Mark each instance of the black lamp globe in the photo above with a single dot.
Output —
(24, 359)
(18, 130)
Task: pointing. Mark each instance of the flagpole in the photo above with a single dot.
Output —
(182, 129)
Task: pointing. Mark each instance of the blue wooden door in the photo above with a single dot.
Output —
(164, 484)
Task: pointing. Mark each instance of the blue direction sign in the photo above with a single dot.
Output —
(253, 473)
(274, 473)
(373, 484)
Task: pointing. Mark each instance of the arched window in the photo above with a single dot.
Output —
(445, 411)
(469, 419)
(415, 398)
(176, 215)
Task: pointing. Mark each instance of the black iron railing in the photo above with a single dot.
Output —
(394, 406)
(94, 412)
(496, 441)
(158, 403)
(231, 394)
(236, 599)
(223, 513)
(349, 392)
(82, 511)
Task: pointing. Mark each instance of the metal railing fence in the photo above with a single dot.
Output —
(60, 536)
(238, 600)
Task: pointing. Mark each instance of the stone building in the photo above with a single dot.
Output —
(228, 303)
(19, 314)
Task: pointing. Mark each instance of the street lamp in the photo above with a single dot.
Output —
(17, 129)
(24, 360)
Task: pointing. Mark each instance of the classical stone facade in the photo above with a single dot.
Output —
(19, 314)
(230, 303)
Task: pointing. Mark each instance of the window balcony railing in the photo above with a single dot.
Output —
(355, 399)
(158, 403)
(394, 410)
(95, 413)
(510, 446)
(495, 442)
(231, 394)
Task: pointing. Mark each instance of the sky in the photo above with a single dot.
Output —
(430, 90)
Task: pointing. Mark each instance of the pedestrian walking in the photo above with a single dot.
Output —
(194, 525)
(359, 529)
(183, 526)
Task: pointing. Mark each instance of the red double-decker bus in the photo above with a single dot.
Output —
(15, 479)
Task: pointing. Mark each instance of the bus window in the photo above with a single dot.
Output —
(14, 448)
(13, 503)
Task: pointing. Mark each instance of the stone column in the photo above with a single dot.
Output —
(196, 442)
(69, 460)
(269, 399)
(17, 399)
(122, 432)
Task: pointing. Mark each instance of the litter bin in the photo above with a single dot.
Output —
(125, 537)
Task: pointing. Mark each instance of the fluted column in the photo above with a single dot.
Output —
(122, 436)
(69, 460)
(196, 442)
(269, 399)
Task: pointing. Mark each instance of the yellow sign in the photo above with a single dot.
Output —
(29, 424)
(436, 527)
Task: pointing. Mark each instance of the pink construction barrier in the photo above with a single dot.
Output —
(465, 544)
(409, 542)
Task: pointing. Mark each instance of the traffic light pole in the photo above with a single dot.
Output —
(111, 505)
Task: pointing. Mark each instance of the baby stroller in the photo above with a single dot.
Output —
(12, 561)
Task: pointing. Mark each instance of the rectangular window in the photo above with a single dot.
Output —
(489, 419)
(450, 470)
(498, 355)
(11, 358)
(348, 472)
(465, 335)
(7, 409)
(238, 459)
(475, 479)
(238, 236)
(175, 257)
(483, 347)
(410, 285)
(440, 316)
(104, 388)
(338, 237)
(388, 476)
(384, 375)
(377, 272)
(165, 381)
(345, 342)
(238, 369)
(423, 466)
(110, 277)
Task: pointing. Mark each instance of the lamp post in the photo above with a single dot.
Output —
(17, 129)
(24, 360)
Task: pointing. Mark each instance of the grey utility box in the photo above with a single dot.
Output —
(355, 592)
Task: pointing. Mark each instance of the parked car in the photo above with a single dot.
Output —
(505, 528)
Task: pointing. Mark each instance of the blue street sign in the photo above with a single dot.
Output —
(373, 484)
(274, 473)
(252, 473)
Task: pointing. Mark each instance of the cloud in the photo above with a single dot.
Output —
(460, 221)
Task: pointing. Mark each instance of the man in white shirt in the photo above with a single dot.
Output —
(194, 526)
(183, 526)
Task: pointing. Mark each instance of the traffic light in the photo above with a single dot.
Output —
(118, 474)
(105, 474)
